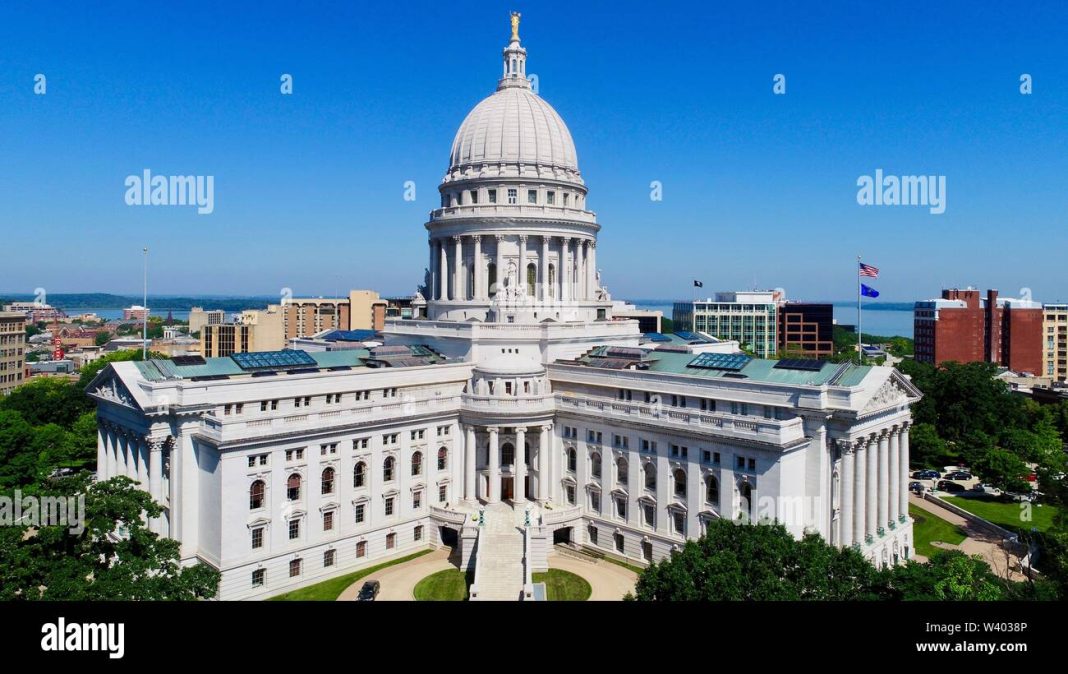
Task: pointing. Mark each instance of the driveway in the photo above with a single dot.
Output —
(608, 581)
(398, 582)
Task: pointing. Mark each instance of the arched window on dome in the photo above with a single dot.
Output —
(532, 278)
(491, 277)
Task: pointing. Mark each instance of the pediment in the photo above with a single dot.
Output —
(895, 391)
(109, 387)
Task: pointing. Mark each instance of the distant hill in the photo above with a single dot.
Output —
(76, 301)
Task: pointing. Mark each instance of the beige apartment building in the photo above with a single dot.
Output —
(12, 349)
(198, 318)
(255, 330)
(361, 310)
(1055, 341)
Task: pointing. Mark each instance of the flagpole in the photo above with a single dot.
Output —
(860, 320)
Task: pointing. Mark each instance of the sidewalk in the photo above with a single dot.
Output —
(978, 542)
(398, 582)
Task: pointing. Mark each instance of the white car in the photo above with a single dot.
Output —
(987, 488)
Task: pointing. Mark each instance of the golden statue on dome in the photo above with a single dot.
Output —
(515, 26)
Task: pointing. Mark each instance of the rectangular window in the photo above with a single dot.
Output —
(389, 507)
(592, 533)
(257, 538)
(294, 568)
(359, 513)
(329, 557)
(391, 541)
(417, 500)
(492, 196)
(251, 462)
(550, 198)
(566, 199)
(679, 519)
(294, 529)
(740, 462)
(417, 534)
(532, 196)
(328, 520)
(571, 494)
(649, 514)
(595, 501)
(621, 508)
(474, 196)
(513, 195)
(361, 549)
(443, 494)
(257, 577)
(752, 465)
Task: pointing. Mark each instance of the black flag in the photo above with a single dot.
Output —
(698, 284)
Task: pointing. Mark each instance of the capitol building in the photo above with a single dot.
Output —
(513, 415)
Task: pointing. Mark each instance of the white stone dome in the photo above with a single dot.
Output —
(513, 126)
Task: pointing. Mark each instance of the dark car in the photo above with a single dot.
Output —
(916, 487)
(369, 591)
(952, 487)
(927, 474)
(959, 475)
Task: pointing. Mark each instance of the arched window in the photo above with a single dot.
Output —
(328, 481)
(359, 475)
(595, 464)
(491, 278)
(745, 490)
(571, 459)
(532, 278)
(621, 470)
(650, 475)
(712, 489)
(680, 482)
(507, 454)
(443, 458)
(293, 487)
(255, 495)
(387, 469)
(417, 463)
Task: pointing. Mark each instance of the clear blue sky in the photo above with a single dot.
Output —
(758, 189)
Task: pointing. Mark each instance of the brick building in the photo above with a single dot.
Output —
(963, 326)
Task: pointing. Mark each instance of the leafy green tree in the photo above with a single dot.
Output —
(734, 562)
(45, 400)
(53, 563)
(18, 462)
(102, 338)
(950, 575)
(926, 447)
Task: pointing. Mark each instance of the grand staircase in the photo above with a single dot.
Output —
(500, 554)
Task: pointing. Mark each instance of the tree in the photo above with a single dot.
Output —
(18, 464)
(734, 562)
(102, 338)
(926, 447)
(45, 400)
(950, 575)
(51, 562)
(1002, 468)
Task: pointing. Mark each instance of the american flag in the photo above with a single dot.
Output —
(868, 270)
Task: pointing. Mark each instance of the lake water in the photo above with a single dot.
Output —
(110, 314)
(883, 323)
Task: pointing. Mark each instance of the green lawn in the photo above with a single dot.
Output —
(329, 590)
(1008, 514)
(928, 527)
(447, 585)
(563, 585)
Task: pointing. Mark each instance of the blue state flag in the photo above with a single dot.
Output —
(868, 291)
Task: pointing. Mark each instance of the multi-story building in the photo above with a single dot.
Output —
(517, 396)
(747, 317)
(361, 310)
(964, 327)
(649, 320)
(198, 318)
(1055, 341)
(806, 329)
(254, 330)
(36, 312)
(135, 313)
(12, 349)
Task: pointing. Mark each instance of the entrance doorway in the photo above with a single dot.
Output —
(507, 488)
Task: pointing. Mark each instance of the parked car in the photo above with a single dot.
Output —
(987, 488)
(959, 475)
(927, 474)
(369, 591)
(917, 487)
(952, 487)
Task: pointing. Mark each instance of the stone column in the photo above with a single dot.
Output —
(895, 474)
(500, 263)
(884, 479)
(443, 272)
(591, 270)
(493, 488)
(871, 512)
(544, 464)
(155, 479)
(903, 469)
(127, 459)
(860, 494)
(101, 452)
(695, 496)
(565, 291)
(142, 462)
(520, 472)
(433, 289)
(664, 490)
(470, 447)
(523, 264)
(112, 452)
(477, 292)
(457, 269)
(544, 276)
(845, 506)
